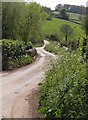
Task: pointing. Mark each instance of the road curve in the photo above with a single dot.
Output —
(17, 85)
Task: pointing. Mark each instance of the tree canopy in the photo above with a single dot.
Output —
(22, 20)
(63, 14)
(66, 30)
(71, 8)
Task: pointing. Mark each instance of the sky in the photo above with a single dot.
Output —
(53, 3)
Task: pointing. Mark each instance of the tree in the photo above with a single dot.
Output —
(22, 21)
(35, 17)
(85, 24)
(63, 14)
(85, 41)
(66, 30)
(49, 12)
(11, 14)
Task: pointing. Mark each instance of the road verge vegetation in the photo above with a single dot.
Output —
(54, 47)
(16, 53)
(64, 92)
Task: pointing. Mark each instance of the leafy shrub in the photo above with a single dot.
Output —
(85, 50)
(24, 60)
(64, 93)
(53, 47)
(53, 37)
(63, 14)
(63, 43)
(12, 49)
(38, 43)
(19, 62)
(73, 45)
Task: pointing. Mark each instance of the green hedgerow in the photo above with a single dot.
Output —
(64, 93)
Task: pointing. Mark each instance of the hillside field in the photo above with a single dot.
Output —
(53, 27)
(73, 16)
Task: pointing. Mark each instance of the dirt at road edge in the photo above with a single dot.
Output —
(33, 100)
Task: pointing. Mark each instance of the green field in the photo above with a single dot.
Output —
(72, 16)
(53, 27)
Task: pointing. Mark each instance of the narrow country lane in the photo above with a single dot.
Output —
(17, 85)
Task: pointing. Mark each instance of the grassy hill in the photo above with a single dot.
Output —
(53, 27)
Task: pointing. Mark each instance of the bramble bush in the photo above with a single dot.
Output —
(64, 92)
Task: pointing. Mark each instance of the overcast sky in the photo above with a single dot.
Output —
(53, 3)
